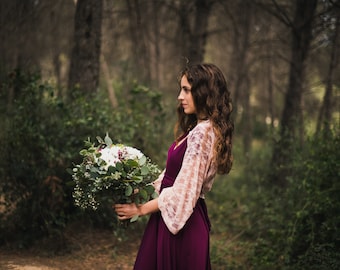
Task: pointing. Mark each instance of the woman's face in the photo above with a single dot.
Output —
(185, 97)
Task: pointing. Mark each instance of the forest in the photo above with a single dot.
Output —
(71, 70)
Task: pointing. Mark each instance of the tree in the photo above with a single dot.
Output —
(193, 34)
(85, 58)
(239, 66)
(291, 119)
(140, 48)
(325, 114)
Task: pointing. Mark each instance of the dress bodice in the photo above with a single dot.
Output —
(174, 163)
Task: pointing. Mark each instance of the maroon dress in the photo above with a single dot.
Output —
(189, 248)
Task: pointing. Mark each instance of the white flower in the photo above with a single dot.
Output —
(118, 153)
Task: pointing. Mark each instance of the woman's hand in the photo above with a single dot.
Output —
(127, 211)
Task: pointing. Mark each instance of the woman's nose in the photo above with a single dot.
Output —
(180, 96)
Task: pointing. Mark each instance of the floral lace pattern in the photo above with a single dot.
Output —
(195, 178)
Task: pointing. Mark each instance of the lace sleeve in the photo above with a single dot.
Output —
(176, 203)
(157, 183)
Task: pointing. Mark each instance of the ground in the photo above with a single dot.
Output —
(99, 249)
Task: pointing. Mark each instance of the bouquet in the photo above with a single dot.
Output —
(112, 173)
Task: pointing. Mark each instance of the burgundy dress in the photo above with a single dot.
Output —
(189, 248)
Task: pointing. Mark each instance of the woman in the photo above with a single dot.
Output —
(177, 234)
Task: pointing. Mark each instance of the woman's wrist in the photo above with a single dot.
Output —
(148, 208)
(140, 210)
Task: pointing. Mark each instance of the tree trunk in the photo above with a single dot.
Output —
(109, 85)
(140, 50)
(85, 58)
(325, 114)
(156, 53)
(19, 45)
(198, 37)
(270, 80)
(193, 37)
(291, 119)
(239, 66)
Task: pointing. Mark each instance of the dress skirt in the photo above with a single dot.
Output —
(186, 250)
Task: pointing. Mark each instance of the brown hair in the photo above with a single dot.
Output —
(212, 101)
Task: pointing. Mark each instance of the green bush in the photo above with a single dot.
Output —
(43, 137)
(315, 234)
(32, 183)
(297, 227)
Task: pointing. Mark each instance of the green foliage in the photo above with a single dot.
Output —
(33, 192)
(315, 231)
(259, 225)
(43, 136)
(231, 204)
(140, 118)
(298, 225)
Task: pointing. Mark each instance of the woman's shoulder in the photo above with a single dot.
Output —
(202, 129)
(202, 126)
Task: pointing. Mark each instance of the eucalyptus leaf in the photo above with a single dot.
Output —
(119, 166)
(132, 163)
(134, 218)
(137, 178)
(142, 160)
(108, 140)
(143, 194)
(111, 169)
(83, 152)
(100, 140)
(94, 169)
(94, 175)
(154, 195)
(149, 189)
(144, 170)
(88, 143)
(91, 150)
(128, 190)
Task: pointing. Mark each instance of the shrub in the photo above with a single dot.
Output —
(315, 234)
(43, 138)
(298, 225)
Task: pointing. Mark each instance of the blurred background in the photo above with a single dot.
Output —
(72, 70)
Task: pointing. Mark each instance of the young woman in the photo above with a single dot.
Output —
(177, 234)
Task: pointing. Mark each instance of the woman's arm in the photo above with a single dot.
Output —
(127, 211)
(177, 202)
(158, 182)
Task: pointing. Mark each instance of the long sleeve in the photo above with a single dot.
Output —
(177, 202)
(158, 182)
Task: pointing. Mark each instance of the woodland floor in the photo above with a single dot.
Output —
(99, 250)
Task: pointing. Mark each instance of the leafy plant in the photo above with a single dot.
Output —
(299, 224)
(42, 136)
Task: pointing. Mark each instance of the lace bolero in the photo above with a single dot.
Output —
(194, 179)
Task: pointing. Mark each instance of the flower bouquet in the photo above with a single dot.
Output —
(112, 173)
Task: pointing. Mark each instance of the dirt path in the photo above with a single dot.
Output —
(97, 250)
(11, 262)
(26, 262)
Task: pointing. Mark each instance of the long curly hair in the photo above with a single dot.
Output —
(212, 101)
